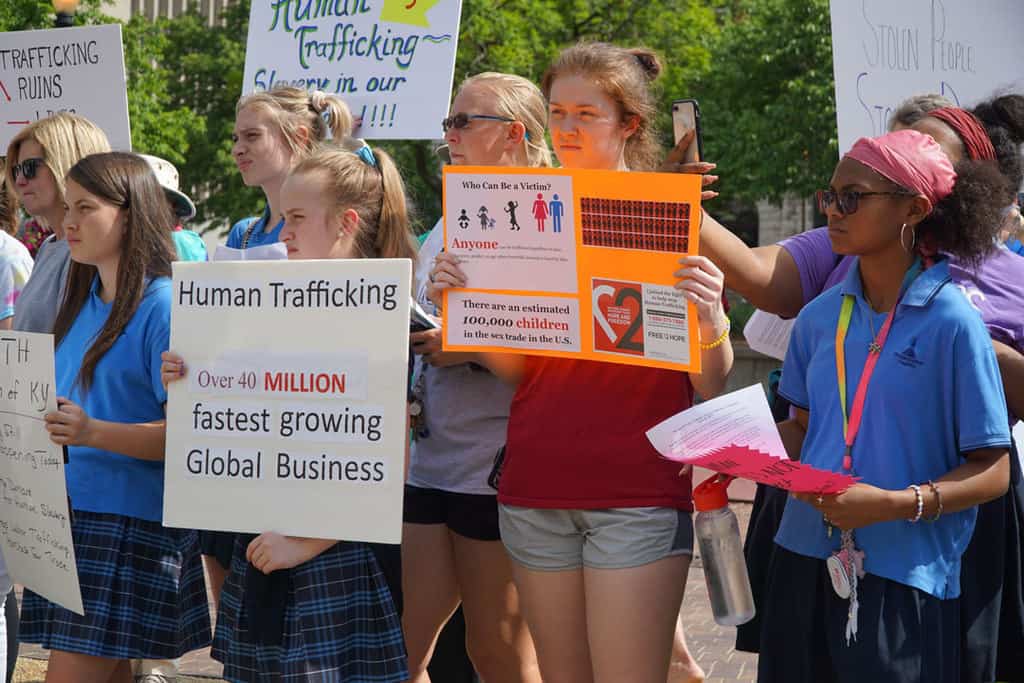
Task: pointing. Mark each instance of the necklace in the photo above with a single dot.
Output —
(873, 344)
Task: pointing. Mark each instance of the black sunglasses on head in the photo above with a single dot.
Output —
(462, 119)
(848, 201)
(27, 168)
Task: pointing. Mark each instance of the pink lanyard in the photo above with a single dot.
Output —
(851, 422)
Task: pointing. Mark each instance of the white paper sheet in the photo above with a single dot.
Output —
(740, 418)
(769, 334)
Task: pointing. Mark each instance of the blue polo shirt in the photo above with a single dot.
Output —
(935, 395)
(259, 235)
(125, 388)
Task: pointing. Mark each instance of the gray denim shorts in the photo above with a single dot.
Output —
(615, 538)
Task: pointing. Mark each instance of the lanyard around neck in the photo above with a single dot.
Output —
(851, 421)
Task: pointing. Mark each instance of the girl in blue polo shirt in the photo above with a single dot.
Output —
(274, 130)
(142, 584)
(895, 382)
(302, 608)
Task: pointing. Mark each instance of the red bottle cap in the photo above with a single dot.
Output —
(712, 493)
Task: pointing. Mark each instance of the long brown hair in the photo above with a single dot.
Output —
(126, 181)
(625, 76)
(375, 191)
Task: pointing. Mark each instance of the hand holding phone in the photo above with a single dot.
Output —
(686, 117)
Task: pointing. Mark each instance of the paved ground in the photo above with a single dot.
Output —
(710, 643)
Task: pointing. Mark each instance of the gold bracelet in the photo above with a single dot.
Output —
(721, 338)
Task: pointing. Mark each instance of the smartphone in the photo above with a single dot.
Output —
(686, 116)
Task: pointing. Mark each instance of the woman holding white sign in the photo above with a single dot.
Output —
(274, 130)
(597, 523)
(451, 546)
(292, 606)
(142, 584)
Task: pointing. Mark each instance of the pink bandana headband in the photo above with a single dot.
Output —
(909, 159)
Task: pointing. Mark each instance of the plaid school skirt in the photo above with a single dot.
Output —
(340, 624)
(142, 589)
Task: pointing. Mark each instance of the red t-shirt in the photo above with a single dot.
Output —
(577, 437)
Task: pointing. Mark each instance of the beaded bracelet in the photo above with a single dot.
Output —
(721, 338)
(920, 504)
(938, 500)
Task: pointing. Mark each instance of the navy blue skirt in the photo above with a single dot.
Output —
(991, 580)
(220, 545)
(340, 624)
(904, 635)
(142, 589)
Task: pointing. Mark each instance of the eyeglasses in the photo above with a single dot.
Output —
(27, 168)
(849, 201)
(462, 119)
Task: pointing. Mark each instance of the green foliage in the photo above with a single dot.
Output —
(205, 72)
(767, 100)
(23, 15)
(160, 123)
(762, 70)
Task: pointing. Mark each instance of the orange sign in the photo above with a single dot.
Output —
(572, 263)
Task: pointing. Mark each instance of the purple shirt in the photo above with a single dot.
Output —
(995, 289)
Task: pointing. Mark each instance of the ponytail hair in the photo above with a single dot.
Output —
(294, 108)
(355, 177)
(1003, 118)
(625, 76)
(966, 222)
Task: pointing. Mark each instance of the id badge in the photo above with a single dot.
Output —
(840, 566)
(839, 574)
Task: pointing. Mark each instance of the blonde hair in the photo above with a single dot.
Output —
(65, 139)
(517, 98)
(294, 108)
(8, 204)
(375, 192)
(625, 75)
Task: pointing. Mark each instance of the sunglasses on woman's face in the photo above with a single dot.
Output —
(848, 201)
(27, 168)
(462, 119)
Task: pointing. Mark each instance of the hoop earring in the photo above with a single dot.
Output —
(913, 239)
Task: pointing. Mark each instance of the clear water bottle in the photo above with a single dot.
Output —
(721, 550)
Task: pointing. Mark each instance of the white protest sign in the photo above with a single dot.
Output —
(392, 61)
(35, 532)
(292, 417)
(884, 52)
(80, 70)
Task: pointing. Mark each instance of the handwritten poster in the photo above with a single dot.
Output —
(35, 531)
(292, 415)
(735, 434)
(79, 70)
(884, 52)
(392, 61)
(572, 263)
